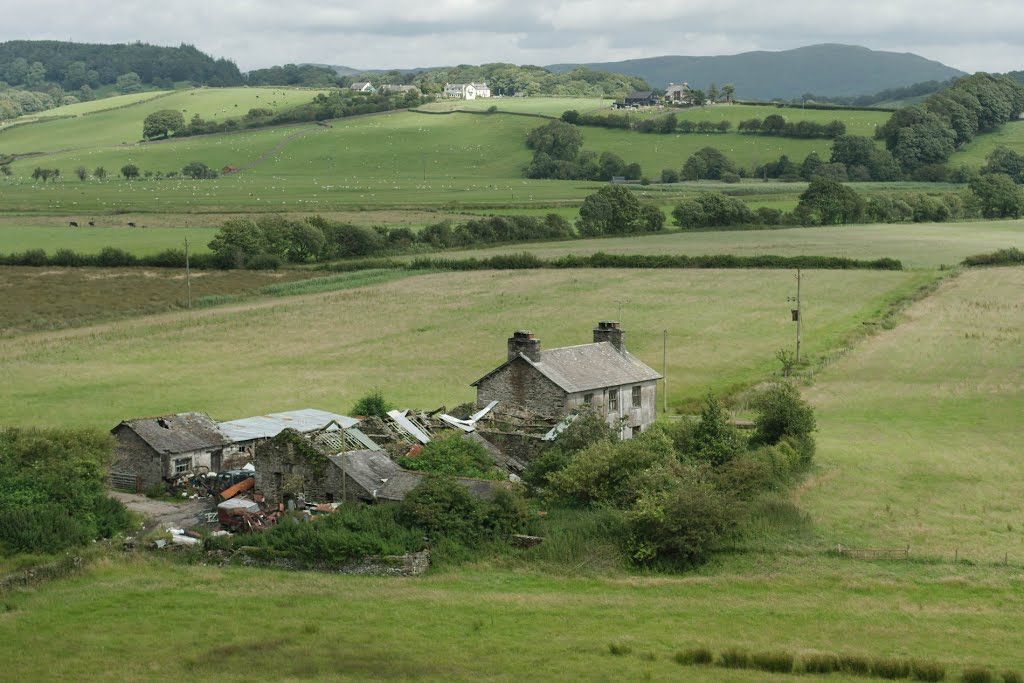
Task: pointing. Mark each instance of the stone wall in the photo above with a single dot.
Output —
(636, 419)
(521, 384)
(410, 564)
(288, 466)
(134, 456)
(523, 447)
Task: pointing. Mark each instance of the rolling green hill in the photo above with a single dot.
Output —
(827, 69)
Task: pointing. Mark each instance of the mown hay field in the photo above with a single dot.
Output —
(424, 339)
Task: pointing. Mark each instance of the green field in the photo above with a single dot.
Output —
(326, 350)
(973, 153)
(124, 126)
(917, 446)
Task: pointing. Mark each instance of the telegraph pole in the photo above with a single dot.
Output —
(188, 275)
(664, 372)
(798, 316)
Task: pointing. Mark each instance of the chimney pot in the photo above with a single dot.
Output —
(523, 342)
(609, 331)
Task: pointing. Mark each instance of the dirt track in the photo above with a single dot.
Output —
(163, 514)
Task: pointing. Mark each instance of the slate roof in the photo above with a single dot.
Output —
(382, 479)
(586, 367)
(640, 95)
(181, 433)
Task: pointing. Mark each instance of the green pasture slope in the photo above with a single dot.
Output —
(124, 126)
(140, 241)
(917, 446)
(391, 160)
(973, 153)
(546, 106)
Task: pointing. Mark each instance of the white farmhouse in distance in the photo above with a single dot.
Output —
(466, 91)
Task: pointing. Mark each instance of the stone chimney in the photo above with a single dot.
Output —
(523, 341)
(609, 331)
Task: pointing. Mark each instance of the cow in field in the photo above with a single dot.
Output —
(131, 225)
(92, 224)
(73, 224)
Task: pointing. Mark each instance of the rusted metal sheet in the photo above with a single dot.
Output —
(240, 487)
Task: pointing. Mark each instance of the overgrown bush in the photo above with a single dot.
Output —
(681, 525)
(372, 404)
(52, 495)
(782, 412)
(619, 649)
(351, 532)
(1011, 676)
(443, 508)
(454, 455)
(1000, 257)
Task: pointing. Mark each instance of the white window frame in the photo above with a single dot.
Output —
(181, 465)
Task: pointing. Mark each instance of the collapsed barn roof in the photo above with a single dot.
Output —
(272, 424)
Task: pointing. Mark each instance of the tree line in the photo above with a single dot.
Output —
(829, 202)
(669, 124)
(36, 75)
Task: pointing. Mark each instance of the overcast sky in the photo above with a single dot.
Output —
(972, 36)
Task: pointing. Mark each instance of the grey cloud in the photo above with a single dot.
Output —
(399, 33)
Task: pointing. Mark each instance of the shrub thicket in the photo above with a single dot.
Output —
(372, 404)
(52, 495)
(455, 455)
(694, 656)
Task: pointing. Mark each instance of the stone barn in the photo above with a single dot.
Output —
(294, 466)
(155, 449)
(555, 382)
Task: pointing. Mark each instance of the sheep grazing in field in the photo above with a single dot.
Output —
(73, 224)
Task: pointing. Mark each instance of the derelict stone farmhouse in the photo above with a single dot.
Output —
(155, 448)
(557, 381)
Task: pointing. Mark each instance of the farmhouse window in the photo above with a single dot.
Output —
(588, 399)
(636, 397)
(182, 465)
(613, 400)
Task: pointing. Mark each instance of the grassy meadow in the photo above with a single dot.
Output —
(973, 153)
(916, 446)
(328, 349)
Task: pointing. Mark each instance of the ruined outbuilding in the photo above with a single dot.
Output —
(294, 467)
(556, 382)
(150, 450)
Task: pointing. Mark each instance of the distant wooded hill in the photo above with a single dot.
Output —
(34, 64)
(828, 70)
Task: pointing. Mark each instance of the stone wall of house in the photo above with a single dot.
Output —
(523, 447)
(288, 467)
(636, 419)
(521, 384)
(134, 456)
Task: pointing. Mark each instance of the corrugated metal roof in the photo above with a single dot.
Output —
(179, 433)
(269, 426)
(587, 367)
